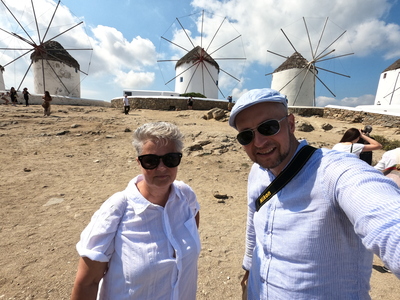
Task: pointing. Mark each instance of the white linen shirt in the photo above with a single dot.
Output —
(152, 250)
(316, 237)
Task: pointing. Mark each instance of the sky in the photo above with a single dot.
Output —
(130, 41)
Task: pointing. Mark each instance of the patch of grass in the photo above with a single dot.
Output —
(386, 144)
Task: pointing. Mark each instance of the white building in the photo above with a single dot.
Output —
(2, 85)
(388, 92)
(60, 69)
(291, 79)
(197, 72)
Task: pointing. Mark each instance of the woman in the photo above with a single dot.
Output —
(348, 143)
(13, 96)
(143, 242)
(26, 96)
(46, 103)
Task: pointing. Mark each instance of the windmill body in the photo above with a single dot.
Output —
(58, 69)
(388, 92)
(197, 72)
(293, 80)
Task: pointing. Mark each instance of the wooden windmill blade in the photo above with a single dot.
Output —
(194, 45)
(297, 76)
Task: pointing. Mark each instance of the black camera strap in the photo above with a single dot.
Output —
(283, 178)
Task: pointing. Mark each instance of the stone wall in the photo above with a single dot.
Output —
(168, 103)
(359, 116)
(36, 99)
(179, 103)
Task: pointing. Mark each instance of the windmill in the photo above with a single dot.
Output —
(54, 69)
(388, 92)
(297, 76)
(195, 46)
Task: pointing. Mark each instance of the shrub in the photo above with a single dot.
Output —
(194, 95)
(386, 144)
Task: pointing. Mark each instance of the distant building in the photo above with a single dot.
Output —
(2, 85)
(197, 72)
(291, 79)
(60, 69)
(143, 93)
(388, 92)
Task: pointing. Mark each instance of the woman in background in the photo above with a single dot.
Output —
(349, 142)
(46, 103)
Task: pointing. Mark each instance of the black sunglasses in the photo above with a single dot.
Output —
(267, 128)
(151, 161)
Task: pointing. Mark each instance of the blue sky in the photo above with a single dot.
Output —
(126, 41)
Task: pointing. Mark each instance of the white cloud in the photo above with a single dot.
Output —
(348, 101)
(134, 80)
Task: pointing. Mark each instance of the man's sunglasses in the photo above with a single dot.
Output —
(267, 128)
(151, 161)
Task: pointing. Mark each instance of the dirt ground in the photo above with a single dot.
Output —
(56, 171)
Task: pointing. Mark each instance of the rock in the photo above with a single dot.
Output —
(326, 126)
(64, 132)
(304, 126)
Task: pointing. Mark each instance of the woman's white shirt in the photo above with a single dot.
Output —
(354, 148)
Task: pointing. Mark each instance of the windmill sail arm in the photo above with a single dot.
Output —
(288, 40)
(190, 40)
(51, 21)
(285, 57)
(65, 31)
(225, 44)
(229, 58)
(216, 32)
(230, 75)
(18, 57)
(174, 44)
(329, 58)
(326, 70)
(181, 73)
(325, 85)
(33, 42)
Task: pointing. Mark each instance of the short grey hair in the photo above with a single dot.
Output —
(161, 133)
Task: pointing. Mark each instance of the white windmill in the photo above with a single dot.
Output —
(297, 76)
(388, 92)
(197, 68)
(54, 69)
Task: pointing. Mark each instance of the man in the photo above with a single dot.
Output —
(316, 237)
(127, 106)
(366, 155)
(389, 159)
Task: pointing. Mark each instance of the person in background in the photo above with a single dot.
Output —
(314, 238)
(143, 242)
(389, 159)
(230, 104)
(127, 106)
(4, 97)
(13, 96)
(366, 155)
(26, 96)
(46, 103)
(349, 142)
(190, 103)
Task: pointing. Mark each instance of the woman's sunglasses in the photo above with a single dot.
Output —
(267, 128)
(151, 161)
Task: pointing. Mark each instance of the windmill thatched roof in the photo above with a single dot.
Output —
(296, 61)
(197, 54)
(393, 66)
(53, 50)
